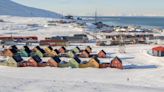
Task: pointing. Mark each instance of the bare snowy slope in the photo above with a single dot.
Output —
(8, 7)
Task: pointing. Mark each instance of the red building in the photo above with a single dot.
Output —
(158, 51)
(53, 42)
(18, 38)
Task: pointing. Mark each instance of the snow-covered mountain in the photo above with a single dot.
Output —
(8, 7)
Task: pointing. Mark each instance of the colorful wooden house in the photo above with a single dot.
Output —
(77, 50)
(9, 52)
(89, 49)
(19, 60)
(116, 63)
(71, 54)
(22, 53)
(62, 50)
(102, 54)
(39, 61)
(41, 50)
(94, 63)
(28, 51)
(11, 62)
(73, 63)
(85, 54)
(54, 61)
(3, 62)
(37, 52)
(50, 52)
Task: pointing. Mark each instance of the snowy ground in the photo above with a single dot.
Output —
(143, 73)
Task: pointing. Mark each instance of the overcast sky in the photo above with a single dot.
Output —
(103, 7)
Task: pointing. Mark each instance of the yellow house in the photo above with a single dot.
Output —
(94, 63)
(11, 62)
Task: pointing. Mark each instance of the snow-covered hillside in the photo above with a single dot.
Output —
(8, 7)
(19, 26)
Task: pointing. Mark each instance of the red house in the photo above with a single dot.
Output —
(102, 54)
(62, 50)
(116, 63)
(158, 51)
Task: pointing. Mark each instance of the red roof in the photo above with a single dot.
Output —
(159, 48)
(18, 37)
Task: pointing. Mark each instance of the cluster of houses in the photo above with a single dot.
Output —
(115, 38)
(35, 58)
(114, 35)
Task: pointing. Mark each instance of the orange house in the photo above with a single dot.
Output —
(116, 63)
(102, 54)
(84, 54)
(9, 52)
(54, 61)
(36, 61)
(31, 63)
(62, 50)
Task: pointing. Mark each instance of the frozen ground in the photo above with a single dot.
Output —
(143, 73)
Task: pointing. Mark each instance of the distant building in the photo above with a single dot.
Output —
(69, 17)
(18, 38)
(127, 37)
(77, 38)
(53, 42)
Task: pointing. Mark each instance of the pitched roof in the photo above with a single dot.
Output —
(27, 49)
(77, 59)
(63, 47)
(89, 47)
(103, 51)
(14, 51)
(17, 58)
(50, 47)
(37, 58)
(96, 59)
(40, 49)
(57, 59)
(159, 48)
(78, 48)
(57, 52)
(118, 59)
